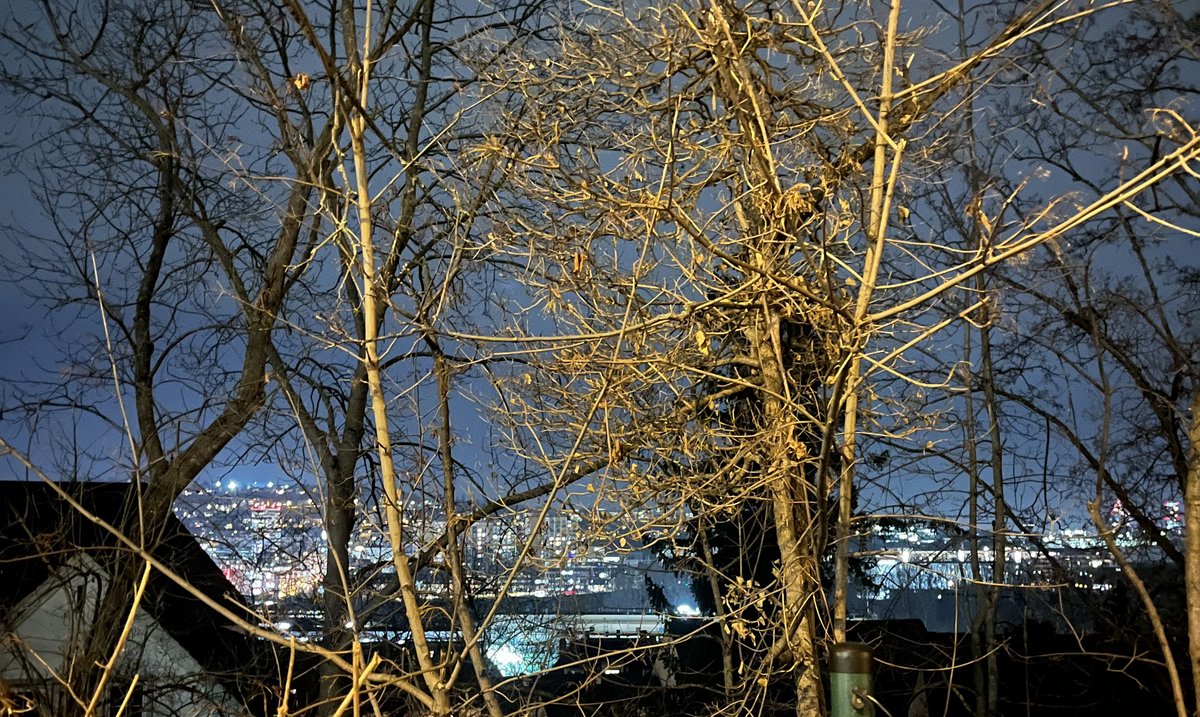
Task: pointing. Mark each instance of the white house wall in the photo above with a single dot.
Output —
(47, 622)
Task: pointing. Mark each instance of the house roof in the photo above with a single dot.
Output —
(39, 532)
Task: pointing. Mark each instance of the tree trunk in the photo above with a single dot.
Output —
(791, 501)
(1192, 548)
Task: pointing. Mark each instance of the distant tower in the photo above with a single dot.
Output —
(1118, 514)
(1172, 520)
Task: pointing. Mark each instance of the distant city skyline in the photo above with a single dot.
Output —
(268, 539)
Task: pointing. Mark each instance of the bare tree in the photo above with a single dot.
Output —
(709, 200)
(1114, 300)
(148, 227)
(677, 250)
(1084, 391)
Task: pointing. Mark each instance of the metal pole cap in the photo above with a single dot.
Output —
(851, 657)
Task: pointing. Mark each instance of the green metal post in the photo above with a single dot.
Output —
(850, 680)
